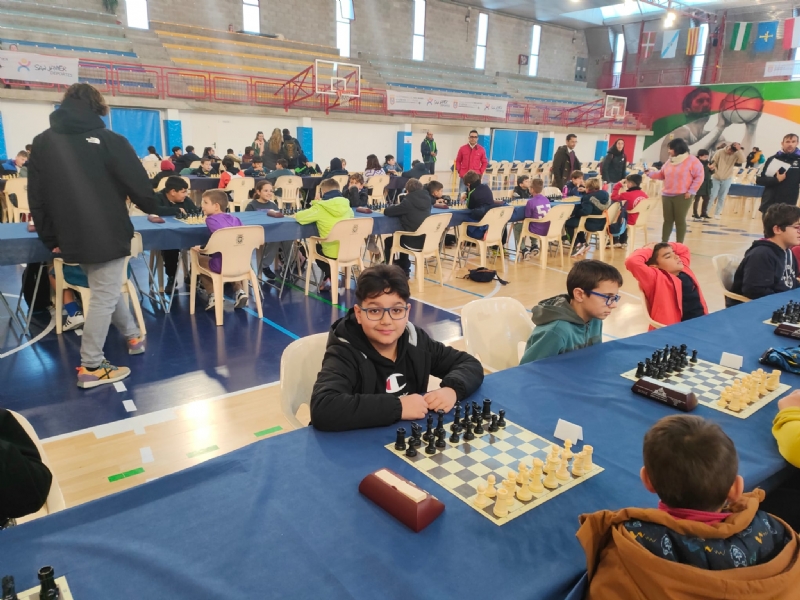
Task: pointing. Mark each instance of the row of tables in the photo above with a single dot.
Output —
(202, 184)
(283, 517)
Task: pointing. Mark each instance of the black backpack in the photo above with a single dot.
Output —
(42, 299)
(290, 149)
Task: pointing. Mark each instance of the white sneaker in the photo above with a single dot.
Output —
(76, 321)
(717, 217)
(211, 302)
(618, 245)
(241, 299)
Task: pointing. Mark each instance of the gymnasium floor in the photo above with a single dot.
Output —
(200, 391)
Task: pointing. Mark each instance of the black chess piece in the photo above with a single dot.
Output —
(411, 451)
(493, 425)
(416, 436)
(662, 372)
(501, 421)
(440, 422)
(400, 443)
(479, 426)
(666, 351)
(430, 448)
(455, 437)
(429, 431)
(467, 416)
(683, 348)
(440, 443)
(694, 357)
(468, 435)
(487, 409)
(640, 370)
(9, 589)
(457, 417)
(656, 357)
(476, 412)
(49, 589)
(684, 360)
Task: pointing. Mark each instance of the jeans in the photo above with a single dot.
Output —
(702, 200)
(675, 210)
(431, 167)
(107, 305)
(271, 252)
(410, 242)
(719, 189)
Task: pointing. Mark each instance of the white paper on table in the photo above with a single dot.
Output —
(732, 361)
(568, 431)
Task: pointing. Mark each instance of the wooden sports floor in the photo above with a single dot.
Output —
(95, 463)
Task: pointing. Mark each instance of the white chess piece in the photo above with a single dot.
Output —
(587, 459)
(774, 380)
(736, 402)
(536, 477)
(482, 500)
(524, 492)
(577, 464)
(550, 482)
(567, 453)
(501, 505)
(510, 487)
(563, 473)
(491, 491)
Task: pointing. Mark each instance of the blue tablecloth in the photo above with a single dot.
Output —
(309, 183)
(18, 245)
(748, 191)
(283, 518)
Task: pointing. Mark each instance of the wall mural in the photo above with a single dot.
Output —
(753, 114)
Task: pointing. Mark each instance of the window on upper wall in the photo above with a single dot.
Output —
(533, 59)
(251, 16)
(344, 14)
(483, 31)
(619, 58)
(418, 41)
(796, 55)
(137, 14)
(699, 60)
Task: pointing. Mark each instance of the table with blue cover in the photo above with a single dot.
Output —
(283, 518)
(309, 182)
(746, 191)
(18, 245)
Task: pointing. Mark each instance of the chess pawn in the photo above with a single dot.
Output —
(536, 486)
(723, 399)
(550, 465)
(555, 451)
(567, 453)
(587, 459)
(753, 393)
(491, 491)
(577, 464)
(501, 504)
(762, 387)
(524, 492)
(736, 402)
(563, 472)
(482, 500)
(522, 477)
(512, 477)
(550, 482)
(511, 487)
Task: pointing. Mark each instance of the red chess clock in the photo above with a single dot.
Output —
(407, 503)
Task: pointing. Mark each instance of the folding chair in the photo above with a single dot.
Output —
(239, 188)
(236, 244)
(725, 266)
(299, 361)
(290, 186)
(433, 228)
(496, 219)
(643, 209)
(493, 329)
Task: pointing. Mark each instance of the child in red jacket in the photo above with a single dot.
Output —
(630, 192)
(671, 289)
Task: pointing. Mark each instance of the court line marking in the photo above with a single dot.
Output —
(45, 331)
(272, 324)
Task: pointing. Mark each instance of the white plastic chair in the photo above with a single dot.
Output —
(493, 329)
(239, 187)
(496, 219)
(378, 184)
(350, 233)
(195, 164)
(236, 244)
(725, 266)
(426, 179)
(301, 359)
(152, 168)
(653, 322)
(290, 190)
(18, 186)
(433, 228)
(556, 216)
(128, 288)
(55, 498)
(643, 209)
(610, 216)
(342, 180)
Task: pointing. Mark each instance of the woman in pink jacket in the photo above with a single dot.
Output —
(672, 292)
(682, 175)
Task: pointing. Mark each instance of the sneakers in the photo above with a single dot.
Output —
(705, 217)
(324, 285)
(211, 302)
(580, 250)
(241, 299)
(136, 345)
(717, 217)
(105, 373)
(534, 253)
(268, 273)
(170, 287)
(74, 322)
(618, 245)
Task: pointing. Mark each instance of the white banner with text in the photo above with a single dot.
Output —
(420, 102)
(40, 68)
(782, 68)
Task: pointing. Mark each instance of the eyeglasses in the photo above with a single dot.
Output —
(376, 314)
(609, 298)
(473, 136)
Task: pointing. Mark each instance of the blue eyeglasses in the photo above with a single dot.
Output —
(609, 298)
(376, 314)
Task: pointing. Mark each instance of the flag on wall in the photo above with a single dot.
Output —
(765, 36)
(670, 44)
(791, 34)
(741, 35)
(691, 41)
(648, 44)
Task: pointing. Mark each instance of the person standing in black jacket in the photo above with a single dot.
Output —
(413, 210)
(565, 162)
(782, 185)
(769, 266)
(615, 164)
(24, 479)
(79, 177)
(429, 152)
(377, 365)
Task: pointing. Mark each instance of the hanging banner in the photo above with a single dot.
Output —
(781, 68)
(23, 66)
(419, 102)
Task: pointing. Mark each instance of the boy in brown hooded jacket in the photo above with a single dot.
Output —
(706, 540)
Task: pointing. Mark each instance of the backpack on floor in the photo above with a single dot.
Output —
(483, 275)
(42, 299)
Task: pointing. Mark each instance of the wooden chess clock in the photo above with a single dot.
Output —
(407, 503)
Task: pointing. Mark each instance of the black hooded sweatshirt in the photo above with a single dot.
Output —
(413, 210)
(358, 388)
(24, 479)
(78, 183)
(765, 269)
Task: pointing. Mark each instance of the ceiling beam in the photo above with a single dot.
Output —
(683, 10)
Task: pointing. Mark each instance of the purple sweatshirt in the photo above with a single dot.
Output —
(536, 208)
(220, 221)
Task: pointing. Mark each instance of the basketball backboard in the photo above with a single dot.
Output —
(339, 79)
(615, 107)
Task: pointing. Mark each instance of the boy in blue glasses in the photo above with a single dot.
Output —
(574, 320)
(377, 364)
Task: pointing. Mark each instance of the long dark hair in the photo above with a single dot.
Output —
(614, 150)
(372, 163)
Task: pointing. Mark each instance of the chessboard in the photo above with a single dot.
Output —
(788, 313)
(33, 593)
(708, 381)
(192, 220)
(467, 469)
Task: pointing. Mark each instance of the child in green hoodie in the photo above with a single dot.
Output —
(574, 320)
(326, 212)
